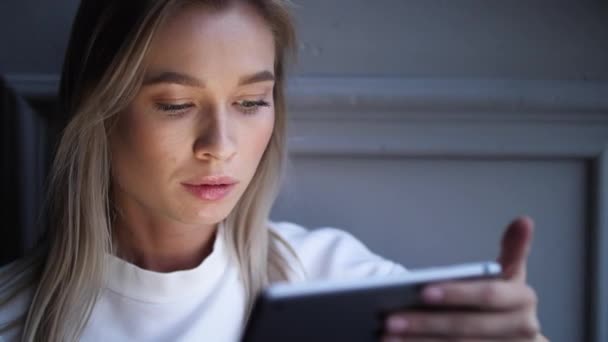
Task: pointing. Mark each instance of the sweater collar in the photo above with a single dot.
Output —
(144, 285)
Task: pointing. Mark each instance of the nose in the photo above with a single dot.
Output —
(216, 139)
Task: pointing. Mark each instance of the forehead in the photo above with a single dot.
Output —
(205, 41)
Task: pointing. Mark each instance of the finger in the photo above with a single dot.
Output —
(515, 324)
(515, 247)
(498, 295)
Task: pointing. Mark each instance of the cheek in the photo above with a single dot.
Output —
(254, 136)
(144, 150)
(257, 141)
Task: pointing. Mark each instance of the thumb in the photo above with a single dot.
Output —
(515, 247)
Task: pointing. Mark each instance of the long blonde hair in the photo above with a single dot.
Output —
(102, 73)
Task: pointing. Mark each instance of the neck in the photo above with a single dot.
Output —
(159, 243)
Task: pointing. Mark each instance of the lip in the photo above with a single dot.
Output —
(211, 188)
(212, 180)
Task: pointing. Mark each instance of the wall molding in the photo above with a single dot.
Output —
(454, 96)
(432, 118)
(34, 85)
(460, 98)
(600, 256)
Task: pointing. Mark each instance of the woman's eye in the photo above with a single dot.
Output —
(174, 109)
(250, 107)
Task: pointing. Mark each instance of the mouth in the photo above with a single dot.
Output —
(210, 192)
(211, 188)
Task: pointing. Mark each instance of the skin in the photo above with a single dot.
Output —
(199, 59)
(161, 226)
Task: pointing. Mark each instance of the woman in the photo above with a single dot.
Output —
(163, 181)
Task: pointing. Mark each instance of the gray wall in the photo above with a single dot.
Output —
(543, 39)
(424, 126)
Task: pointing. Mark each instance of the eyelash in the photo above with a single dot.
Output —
(174, 110)
(253, 106)
(179, 110)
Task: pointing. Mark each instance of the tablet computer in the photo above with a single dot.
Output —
(346, 310)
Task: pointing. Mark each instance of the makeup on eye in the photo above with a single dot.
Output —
(174, 110)
(250, 107)
(179, 109)
(171, 107)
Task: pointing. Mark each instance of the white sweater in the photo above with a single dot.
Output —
(205, 303)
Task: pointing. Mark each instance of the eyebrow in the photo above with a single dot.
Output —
(174, 77)
(262, 76)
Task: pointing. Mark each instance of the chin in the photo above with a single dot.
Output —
(207, 213)
(211, 215)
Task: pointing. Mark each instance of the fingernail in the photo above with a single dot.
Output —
(433, 294)
(396, 324)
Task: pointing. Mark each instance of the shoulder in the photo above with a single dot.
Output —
(333, 253)
(16, 294)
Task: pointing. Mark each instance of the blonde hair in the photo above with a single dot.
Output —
(102, 73)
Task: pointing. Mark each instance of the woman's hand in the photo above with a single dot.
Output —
(497, 310)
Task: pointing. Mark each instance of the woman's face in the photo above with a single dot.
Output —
(206, 109)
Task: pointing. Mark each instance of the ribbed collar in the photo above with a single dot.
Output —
(137, 283)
